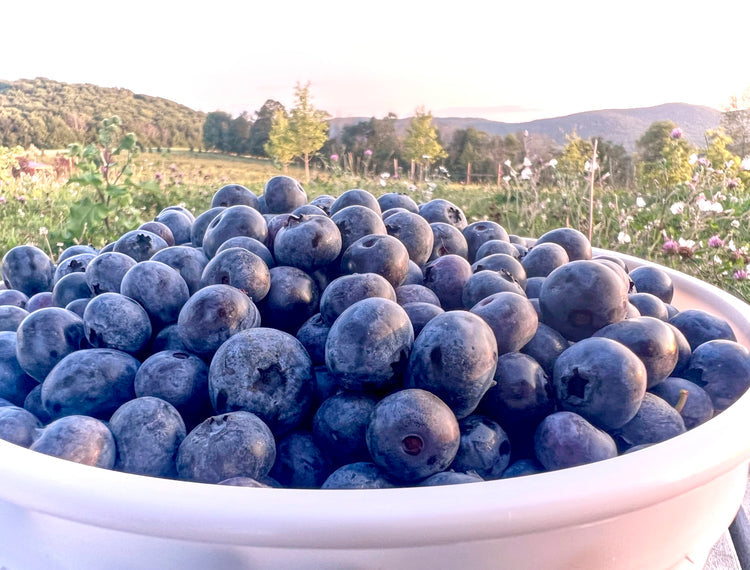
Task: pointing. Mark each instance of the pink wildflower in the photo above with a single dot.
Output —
(334, 157)
(732, 183)
(740, 274)
(676, 133)
(671, 246)
(715, 241)
(368, 152)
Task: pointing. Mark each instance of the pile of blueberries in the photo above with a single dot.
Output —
(348, 342)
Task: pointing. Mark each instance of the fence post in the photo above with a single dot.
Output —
(468, 173)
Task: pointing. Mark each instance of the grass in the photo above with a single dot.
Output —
(35, 209)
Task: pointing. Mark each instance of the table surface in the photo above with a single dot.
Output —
(732, 552)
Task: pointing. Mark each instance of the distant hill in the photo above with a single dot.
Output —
(52, 114)
(621, 126)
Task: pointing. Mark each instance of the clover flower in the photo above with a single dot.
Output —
(623, 237)
(158, 176)
(733, 183)
(334, 157)
(368, 152)
(3, 199)
(740, 274)
(670, 246)
(640, 202)
(676, 133)
(526, 174)
(686, 247)
(677, 208)
(703, 161)
(715, 241)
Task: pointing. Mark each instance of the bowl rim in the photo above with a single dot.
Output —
(399, 517)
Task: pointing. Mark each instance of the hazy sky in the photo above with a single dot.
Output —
(529, 59)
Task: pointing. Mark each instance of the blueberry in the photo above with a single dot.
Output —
(484, 448)
(650, 279)
(649, 305)
(441, 210)
(75, 250)
(722, 369)
(233, 195)
(420, 314)
(167, 338)
(581, 297)
(356, 197)
(175, 377)
(381, 254)
(198, 229)
(455, 357)
(450, 478)
(213, 315)
(283, 194)
(300, 464)
(239, 268)
(292, 299)
(496, 246)
(252, 245)
(104, 273)
(139, 244)
(447, 239)
(484, 284)
(397, 200)
(415, 294)
(90, 382)
(565, 439)
(148, 432)
(307, 242)
(654, 422)
(111, 320)
(447, 277)
(309, 210)
(697, 407)
(511, 317)
(178, 222)
(11, 317)
(13, 298)
(82, 439)
(534, 287)
(506, 265)
(324, 202)
(346, 290)
(414, 276)
(545, 346)
(69, 288)
(576, 245)
(412, 434)
(543, 259)
(265, 371)
(359, 475)
(700, 326)
(78, 306)
(160, 229)
(414, 232)
(340, 427)
(27, 269)
(224, 446)
(355, 222)
(189, 262)
(15, 384)
(600, 379)
(33, 403)
(234, 221)
(39, 301)
(18, 426)
(313, 335)
(158, 288)
(478, 233)
(45, 337)
(73, 264)
(368, 345)
(651, 339)
(523, 467)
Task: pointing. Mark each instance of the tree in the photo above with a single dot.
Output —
(216, 130)
(422, 144)
(280, 144)
(238, 136)
(303, 133)
(664, 155)
(736, 123)
(262, 127)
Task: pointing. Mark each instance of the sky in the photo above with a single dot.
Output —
(510, 62)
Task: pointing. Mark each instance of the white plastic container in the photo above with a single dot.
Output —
(662, 507)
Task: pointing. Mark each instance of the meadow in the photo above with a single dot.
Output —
(700, 227)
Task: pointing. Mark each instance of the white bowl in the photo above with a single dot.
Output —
(662, 507)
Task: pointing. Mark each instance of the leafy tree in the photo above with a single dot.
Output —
(261, 128)
(664, 155)
(216, 131)
(302, 134)
(238, 136)
(736, 122)
(280, 143)
(422, 143)
(384, 141)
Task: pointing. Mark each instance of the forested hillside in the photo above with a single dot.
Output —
(52, 114)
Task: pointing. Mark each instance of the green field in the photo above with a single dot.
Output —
(36, 209)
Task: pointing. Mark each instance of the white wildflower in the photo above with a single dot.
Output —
(717, 259)
(382, 182)
(526, 161)
(507, 163)
(552, 163)
(693, 159)
(640, 202)
(745, 164)
(506, 178)
(623, 237)
(735, 223)
(526, 174)
(677, 208)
